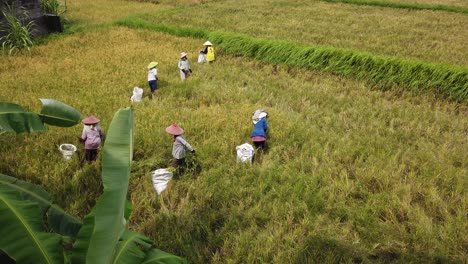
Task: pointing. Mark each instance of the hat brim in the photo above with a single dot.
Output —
(152, 65)
(90, 120)
(173, 130)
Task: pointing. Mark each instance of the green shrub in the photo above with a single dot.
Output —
(52, 7)
(18, 35)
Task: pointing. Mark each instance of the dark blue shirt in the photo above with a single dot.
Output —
(260, 128)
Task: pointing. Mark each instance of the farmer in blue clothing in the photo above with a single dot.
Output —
(259, 133)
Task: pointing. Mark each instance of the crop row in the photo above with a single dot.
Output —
(456, 9)
(383, 71)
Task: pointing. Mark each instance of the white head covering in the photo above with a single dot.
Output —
(208, 43)
(258, 115)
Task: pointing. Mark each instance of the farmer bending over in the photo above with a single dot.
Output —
(178, 148)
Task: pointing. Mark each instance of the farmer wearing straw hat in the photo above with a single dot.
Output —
(178, 148)
(208, 52)
(184, 66)
(91, 136)
(153, 77)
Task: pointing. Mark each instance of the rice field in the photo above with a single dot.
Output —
(438, 37)
(405, 5)
(353, 173)
(460, 3)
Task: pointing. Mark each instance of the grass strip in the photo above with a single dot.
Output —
(456, 9)
(384, 71)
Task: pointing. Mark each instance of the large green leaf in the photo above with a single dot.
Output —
(5, 259)
(81, 245)
(104, 232)
(14, 119)
(22, 237)
(56, 113)
(58, 220)
(132, 248)
(156, 256)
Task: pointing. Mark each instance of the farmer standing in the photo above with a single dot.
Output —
(184, 66)
(152, 77)
(208, 52)
(91, 136)
(178, 148)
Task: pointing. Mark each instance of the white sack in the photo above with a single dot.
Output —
(161, 178)
(137, 94)
(245, 153)
(201, 57)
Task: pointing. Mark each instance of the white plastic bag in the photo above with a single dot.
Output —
(201, 57)
(245, 153)
(137, 94)
(161, 178)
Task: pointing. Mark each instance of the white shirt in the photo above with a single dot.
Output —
(152, 73)
(184, 65)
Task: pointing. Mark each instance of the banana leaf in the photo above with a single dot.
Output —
(13, 118)
(98, 239)
(58, 220)
(22, 237)
(132, 248)
(156, 256)
(56, 113)
(81, 245)
(5, 259)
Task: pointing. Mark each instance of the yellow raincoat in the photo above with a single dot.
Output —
(210, 55)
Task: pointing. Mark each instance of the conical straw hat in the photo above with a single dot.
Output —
(152, 64)
(174, 129)
(90, 120)
(208, 43)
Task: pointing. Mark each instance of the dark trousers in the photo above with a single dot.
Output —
(91, 154)
(153, 85)
(179, 165)
(260, 145)
(176, 163)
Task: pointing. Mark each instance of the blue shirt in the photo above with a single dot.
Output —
(260, 128)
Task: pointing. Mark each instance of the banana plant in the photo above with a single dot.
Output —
(102, 237)
(14, 118)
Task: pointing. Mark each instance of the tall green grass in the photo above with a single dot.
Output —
(17, 34)
(415, 6)
(383, 71)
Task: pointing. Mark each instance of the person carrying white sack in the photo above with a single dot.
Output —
(184, 66)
